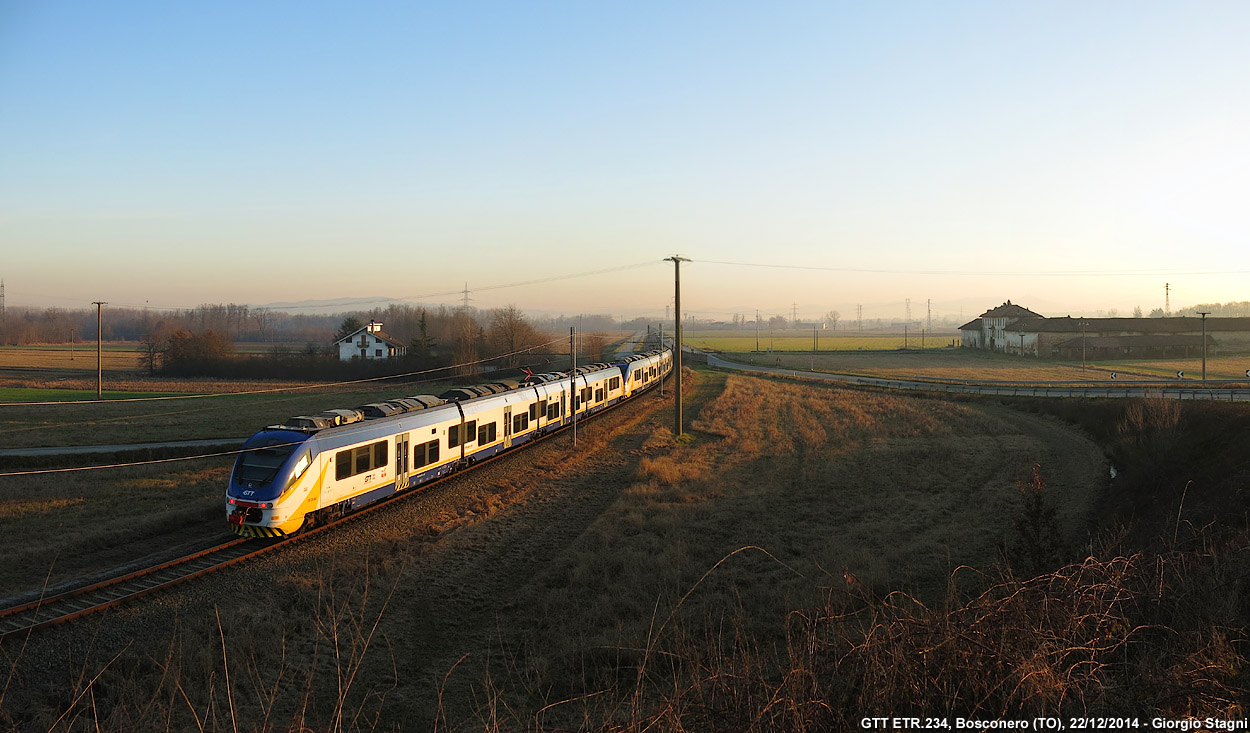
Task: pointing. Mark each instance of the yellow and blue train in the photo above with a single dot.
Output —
(313, 468)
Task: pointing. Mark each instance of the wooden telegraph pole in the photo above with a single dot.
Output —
(677, 260)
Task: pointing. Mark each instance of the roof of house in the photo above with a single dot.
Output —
(1010, 310)
(973, 325)
(378, 334)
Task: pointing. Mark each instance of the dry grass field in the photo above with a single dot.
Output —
(115, 357)
(792, 487)
(960, 364)
(804, 554)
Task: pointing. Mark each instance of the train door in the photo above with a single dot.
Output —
(507, 427)
(401, 461)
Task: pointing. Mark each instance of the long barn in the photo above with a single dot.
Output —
(1013, 329)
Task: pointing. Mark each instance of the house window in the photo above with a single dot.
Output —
(377, 352)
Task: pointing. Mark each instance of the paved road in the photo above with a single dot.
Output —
(1158, 390)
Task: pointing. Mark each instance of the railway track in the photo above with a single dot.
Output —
(67, 606)
(106, 594)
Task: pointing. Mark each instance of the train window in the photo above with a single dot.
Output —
(453, 436)
(533, 411)
(421, 455)
(470, 431)
(364, 459)
(381, 453)
(425, 454)
(261, 460)
(520, 422)
(343, 464)
(599, 395)
(486, 434)
(301, 466)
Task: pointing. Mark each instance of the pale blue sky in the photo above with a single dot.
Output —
(179, 153)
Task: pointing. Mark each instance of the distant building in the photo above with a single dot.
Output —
(369, 342)
(989, 330)
(1012, 329)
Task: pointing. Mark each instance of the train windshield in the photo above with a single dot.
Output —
(261, 459)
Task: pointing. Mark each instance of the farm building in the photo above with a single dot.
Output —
(1011, 329)
(369, 342)
(989, 330)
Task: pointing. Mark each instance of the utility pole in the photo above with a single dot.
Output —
(1204, 315)
(677, 260)
(99, 350)
(1083, 325)
(573, 379)
(859, 317)
(757, 330)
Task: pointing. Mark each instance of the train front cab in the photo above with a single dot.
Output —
(269, 471)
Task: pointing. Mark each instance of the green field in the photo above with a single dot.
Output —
(192, 418)
(34, 394)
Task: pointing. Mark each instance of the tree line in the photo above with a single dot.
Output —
(469, 339)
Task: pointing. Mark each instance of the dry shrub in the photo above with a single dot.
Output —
(672, 470)
(1125, 636)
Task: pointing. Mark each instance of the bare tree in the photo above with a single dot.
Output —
(264, 319)
(511, 333)
(832, 319)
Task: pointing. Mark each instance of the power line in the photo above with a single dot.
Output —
(1004, 273)
(356, 305)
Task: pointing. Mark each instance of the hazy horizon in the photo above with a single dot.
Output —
(1072, 158)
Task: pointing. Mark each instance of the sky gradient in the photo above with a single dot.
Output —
(1070, 156)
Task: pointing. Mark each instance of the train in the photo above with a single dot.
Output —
(312, 469)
